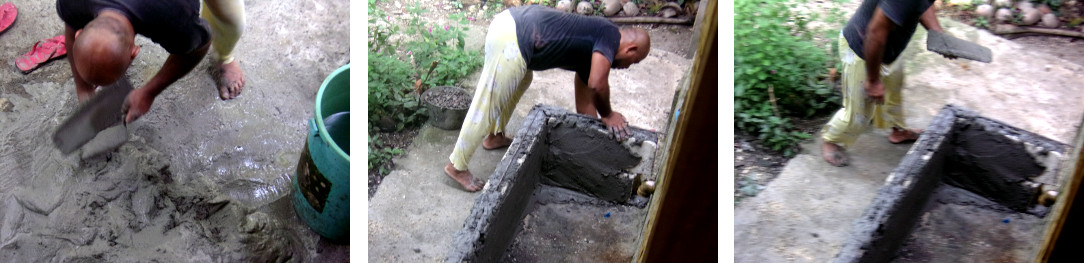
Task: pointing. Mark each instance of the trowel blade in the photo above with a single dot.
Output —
(99, 113)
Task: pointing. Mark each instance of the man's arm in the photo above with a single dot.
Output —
(175, 67)
(929, 20)
(599, 82)
(874, 48)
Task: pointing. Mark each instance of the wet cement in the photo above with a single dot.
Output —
(532, 181)
(944, 203)
(198, 179)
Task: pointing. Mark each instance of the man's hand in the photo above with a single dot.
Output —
(617, 125)
(138, 103)
(875, 90)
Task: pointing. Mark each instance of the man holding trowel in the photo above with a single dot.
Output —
(522, 39)
(869, 46)
(102, 35)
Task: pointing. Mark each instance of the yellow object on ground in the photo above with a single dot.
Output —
(858, 111)
(227, 20)
(504, 79)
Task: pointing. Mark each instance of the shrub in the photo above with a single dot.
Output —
(775, 55)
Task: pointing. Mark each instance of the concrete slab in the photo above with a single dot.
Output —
(806, 213)
(199, 179)
(417, 209)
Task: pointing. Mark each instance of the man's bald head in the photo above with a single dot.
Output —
(104, 48)
(635, 44)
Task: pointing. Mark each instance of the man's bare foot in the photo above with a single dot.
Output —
(833, 154)
(904, 135)
(465, 178)
(496, 141)
(230, 79)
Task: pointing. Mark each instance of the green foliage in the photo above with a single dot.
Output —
(774, 49)
(443, 44)
(981, 22)
(380, 155)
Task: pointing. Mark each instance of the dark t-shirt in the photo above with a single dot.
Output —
(904, 13)
(553, 39)
(173, 24)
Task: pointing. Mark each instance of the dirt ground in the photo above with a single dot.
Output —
(200, 179)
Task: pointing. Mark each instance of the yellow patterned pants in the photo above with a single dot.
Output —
(227, 20)
(504, 79)
(858, 112)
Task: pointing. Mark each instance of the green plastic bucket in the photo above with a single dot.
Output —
(321, 184)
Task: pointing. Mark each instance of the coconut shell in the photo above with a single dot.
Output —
(1003, 15)
(984, 10)
(1031, 16)
(1050, 20)
(631, 9)
(611, 7)
(585, 7)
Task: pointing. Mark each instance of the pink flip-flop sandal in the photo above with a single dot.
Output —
(7, 15)
(42, 52)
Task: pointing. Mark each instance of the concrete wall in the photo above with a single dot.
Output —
(554, 147)
(958, 148)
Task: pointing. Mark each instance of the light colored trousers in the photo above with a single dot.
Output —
(858, 112)
(227, 20)
(504, 79)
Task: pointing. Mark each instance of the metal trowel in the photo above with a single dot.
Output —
(101, 112)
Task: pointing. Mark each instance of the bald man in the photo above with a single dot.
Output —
(104, 43)
(522, 39)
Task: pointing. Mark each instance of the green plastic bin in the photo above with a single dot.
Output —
(321, 184)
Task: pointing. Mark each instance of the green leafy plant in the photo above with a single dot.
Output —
(380, 156)
(777, 57)
(446, 45)
(981, 22)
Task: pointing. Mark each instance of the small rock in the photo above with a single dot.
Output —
(1044, 9)
(631, 9)
(585, 7)
(564, 5)
(1024, 5)
(1003, 3)
(6, 105)
(1004, 15)
(1031, 16)
(611, 7)
(986, 11)
(669, 12)
(1050, 20)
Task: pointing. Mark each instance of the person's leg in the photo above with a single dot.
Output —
(850, 121)
(227, 20)
(497, 140)
(502, 73)
(890, 115)
(585, 103)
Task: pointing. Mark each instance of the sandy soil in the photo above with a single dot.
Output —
(200, 179)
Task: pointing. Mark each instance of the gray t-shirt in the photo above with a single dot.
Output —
(904, 13)
(553, 39)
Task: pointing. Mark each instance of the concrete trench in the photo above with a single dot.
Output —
(965, 192)
(564, 191)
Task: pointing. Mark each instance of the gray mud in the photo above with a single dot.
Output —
(562, 225)
(198, 179)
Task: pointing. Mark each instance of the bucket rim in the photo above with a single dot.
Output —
(320, 128)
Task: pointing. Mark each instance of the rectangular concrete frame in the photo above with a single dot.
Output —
(884, 226)
(536, 156)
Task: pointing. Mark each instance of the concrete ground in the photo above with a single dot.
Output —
(806, 213)
(199, 180)
(417, 209)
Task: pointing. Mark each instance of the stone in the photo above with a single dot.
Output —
(6, 105)
(1031, 16)
(564, 5)
(631, 9)
(669, 12)
(1024, 5)
(1050, 20)
(1004, 15)
(985, 10)
(585, 7)
(611, 7)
